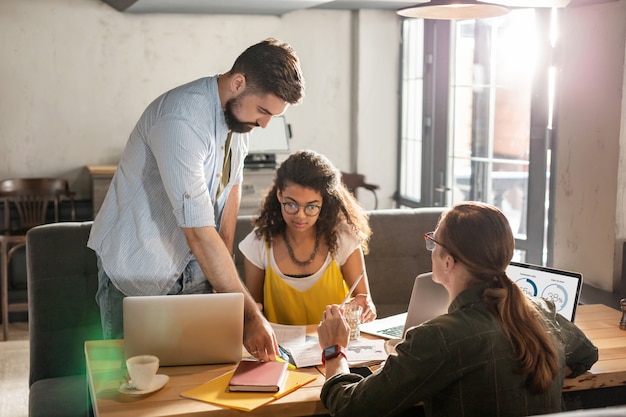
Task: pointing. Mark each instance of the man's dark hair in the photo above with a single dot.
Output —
(272, 67)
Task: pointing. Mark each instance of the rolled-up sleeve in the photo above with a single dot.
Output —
(181, 152)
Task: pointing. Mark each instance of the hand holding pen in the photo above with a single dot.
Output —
(343, 303)
(364, 300)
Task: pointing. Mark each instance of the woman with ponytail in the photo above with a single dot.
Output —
(495, 353)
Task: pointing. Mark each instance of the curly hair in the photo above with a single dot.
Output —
(272, 67)
(313, 170)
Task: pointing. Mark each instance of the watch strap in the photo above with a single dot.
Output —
(339, 351)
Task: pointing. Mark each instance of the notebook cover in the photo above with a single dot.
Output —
(258, 376)
(216, 392)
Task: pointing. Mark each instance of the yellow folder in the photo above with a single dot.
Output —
(216, 392)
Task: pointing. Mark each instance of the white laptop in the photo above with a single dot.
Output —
(428, 300)
(194, 329)
(561, 287)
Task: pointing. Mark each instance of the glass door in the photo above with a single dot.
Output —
(485, 130)
(500, 121)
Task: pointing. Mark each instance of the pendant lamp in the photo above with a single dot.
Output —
(454, 9)
(531, 3)
(471, 9)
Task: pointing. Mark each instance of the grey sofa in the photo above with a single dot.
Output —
(62, 283)
(397, 253)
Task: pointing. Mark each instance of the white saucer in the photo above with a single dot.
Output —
(158, 382)
(390, 346)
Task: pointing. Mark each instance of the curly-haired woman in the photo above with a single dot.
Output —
(307, 247)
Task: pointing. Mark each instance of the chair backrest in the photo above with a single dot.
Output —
(352, 181)
(25, 185)
(62, 309)
(31, 198)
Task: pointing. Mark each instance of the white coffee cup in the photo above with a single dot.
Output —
(142, 369)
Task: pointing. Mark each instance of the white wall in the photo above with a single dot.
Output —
(76, 75)
(590, 223)
(378, 105)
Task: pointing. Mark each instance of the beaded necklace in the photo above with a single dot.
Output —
(292, 256)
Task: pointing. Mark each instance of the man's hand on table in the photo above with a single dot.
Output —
(258, 337)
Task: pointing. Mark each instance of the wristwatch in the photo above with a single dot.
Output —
(332, 352)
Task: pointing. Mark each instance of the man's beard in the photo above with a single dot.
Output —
(232, 121)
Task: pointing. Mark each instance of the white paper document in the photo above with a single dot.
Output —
(288, 335)
(362, 351)
(308, 354)
(306, 351)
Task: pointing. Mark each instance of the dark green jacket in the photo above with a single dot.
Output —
(459, 364)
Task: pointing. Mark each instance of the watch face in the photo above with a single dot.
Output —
(330, 350)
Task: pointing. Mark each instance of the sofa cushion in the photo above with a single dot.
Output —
(397, 255)
(49, 397)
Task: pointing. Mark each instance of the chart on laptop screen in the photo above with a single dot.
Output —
(560, 287)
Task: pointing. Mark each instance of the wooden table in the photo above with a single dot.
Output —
(105, 375)
(105, 359)
(601, 324)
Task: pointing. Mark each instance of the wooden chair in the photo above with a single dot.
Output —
(31, 198)
(353, 181)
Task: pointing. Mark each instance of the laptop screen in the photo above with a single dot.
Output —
(191, 329)
(560, 287)
(273, 138)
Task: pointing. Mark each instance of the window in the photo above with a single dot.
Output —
(412, 112)
(481, 128)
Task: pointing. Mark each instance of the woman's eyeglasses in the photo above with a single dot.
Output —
(429, 239)
(310, 210)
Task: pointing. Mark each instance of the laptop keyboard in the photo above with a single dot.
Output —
(394, 332)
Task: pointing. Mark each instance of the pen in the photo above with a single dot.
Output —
(290, 366)
(352, 289)
(284, 357)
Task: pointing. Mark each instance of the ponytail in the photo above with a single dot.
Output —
(522, 323)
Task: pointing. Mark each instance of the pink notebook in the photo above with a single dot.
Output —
(258, 376)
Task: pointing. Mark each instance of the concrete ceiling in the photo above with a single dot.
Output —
(273, 7)
(268, 7)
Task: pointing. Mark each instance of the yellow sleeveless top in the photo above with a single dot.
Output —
(284, 304)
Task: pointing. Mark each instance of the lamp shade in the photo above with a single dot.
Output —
(531, 3)
(454, 9)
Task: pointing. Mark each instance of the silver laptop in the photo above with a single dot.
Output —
(428, 300)
(194, 329)
(561, 287)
